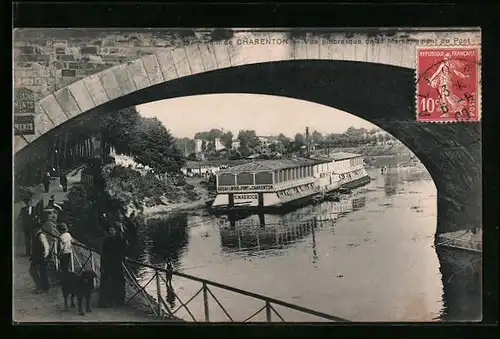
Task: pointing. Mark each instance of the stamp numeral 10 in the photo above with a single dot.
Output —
(428, 104)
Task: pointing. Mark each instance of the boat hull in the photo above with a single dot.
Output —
(287, 206)
(356, 182)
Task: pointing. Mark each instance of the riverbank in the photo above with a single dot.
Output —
(48, 307)
(377, 156)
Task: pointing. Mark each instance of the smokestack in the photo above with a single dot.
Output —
(307, 141)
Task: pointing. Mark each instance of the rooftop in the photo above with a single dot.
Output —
(214, 163)
(343, 155)
(271, 165)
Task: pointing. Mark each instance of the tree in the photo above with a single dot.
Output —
(209, 135)
(203, 146)
(118, 128)
(186, 145)
(299, 140)
(154, 146)
(317, 137)
(210, 147)
(285, 141)
(227, 140)
(248, 142)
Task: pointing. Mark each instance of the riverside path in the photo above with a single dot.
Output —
(49, 307)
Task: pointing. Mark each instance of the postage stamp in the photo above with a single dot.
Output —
(448, 85)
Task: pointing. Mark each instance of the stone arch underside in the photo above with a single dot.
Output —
(173, 63)
(381, 94)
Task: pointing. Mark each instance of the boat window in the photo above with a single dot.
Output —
(226, 179)
(263, 178)
(245, 179)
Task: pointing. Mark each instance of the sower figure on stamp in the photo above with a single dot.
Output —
(442, 81)
(27, 221)
(112, 288)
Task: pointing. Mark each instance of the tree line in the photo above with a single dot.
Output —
(146, 140)
(249, 142)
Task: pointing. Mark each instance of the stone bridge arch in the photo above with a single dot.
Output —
(380, 93)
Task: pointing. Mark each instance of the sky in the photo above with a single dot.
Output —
(266, 114)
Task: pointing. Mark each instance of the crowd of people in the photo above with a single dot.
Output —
(47, 236)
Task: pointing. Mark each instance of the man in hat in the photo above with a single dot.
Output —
(46, 182)
(63, 180)
(27, 221)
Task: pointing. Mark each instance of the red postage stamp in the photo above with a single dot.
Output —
(448, 87)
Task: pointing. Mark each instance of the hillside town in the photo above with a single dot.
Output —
(211, 151)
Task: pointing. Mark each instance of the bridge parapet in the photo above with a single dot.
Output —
(72, 71)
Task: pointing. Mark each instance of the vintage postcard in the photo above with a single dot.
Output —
(247, 175)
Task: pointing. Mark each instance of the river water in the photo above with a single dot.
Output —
(369, 257)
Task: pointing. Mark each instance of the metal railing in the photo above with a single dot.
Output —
(159, 276)
(151, 282)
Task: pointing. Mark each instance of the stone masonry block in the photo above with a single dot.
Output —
(181, 62)
(299, 51)
(27, 58)
(110, 84)
(124, 79)
(194, 58)
(96, 89)
(42, 122)
(208, 56)
(153, 69)
(138, 74)
(408, 56)
(361, 52)
(88, 50)
(53, 110)
(221, 55)
(167, 65)
(67, 102)
(68, 73)
(349, 52)
(312, 51)
(82, 95)
(19, 143)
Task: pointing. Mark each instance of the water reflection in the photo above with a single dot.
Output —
(394, 178)
(170, 296)
(163, 239)
(462, 276)
(372, 256)
(259, 232)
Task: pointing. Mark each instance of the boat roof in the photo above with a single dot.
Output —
(271, 165)
(214, 163)
(343, 155)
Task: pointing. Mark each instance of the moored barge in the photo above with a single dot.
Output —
(275, 184)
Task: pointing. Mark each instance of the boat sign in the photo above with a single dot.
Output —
(246, 199)
(242, 188)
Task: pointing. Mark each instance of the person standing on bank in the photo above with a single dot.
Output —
(64, 247)
(39, 261)
(63, 180)
(46, 182)
(27, 221)
(112, 288)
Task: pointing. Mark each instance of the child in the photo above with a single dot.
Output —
(65, 248)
